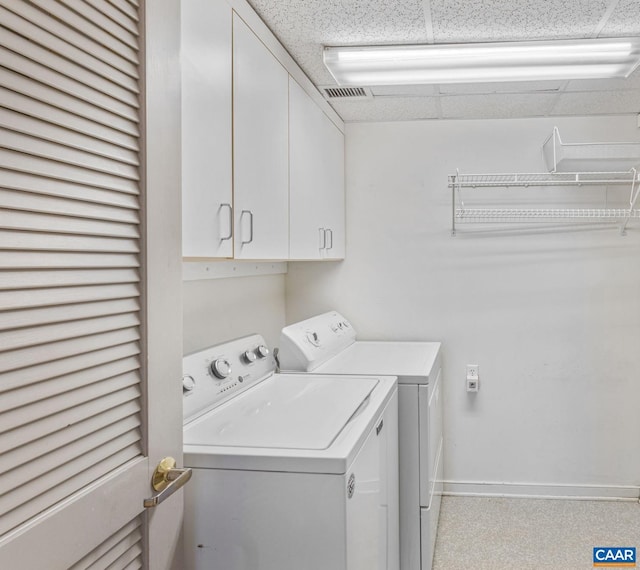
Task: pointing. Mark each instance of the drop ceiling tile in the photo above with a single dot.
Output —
(597, 103)
(387, 109)
(631, 82)
(624, 20)
(347, 21)
(503, 20)
(506, 87)
(304, 26)
(496, 106)
(404, 90)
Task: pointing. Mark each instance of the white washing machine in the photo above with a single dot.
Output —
(290, 472)
(326, 344)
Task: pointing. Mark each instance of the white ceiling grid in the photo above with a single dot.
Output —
(428, 21)
(306, 26)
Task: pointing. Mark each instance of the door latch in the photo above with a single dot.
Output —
(167, 480)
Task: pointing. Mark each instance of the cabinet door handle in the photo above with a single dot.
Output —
(330, 234)
(224, 238)
(250, 226)
(322, 233)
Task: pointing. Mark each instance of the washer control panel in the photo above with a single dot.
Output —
(306, 345)
(218, 373)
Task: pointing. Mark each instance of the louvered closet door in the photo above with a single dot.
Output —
(79, 283)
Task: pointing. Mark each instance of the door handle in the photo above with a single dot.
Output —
(226, 205)
(243, 242)
(322, 234)
(166, 479)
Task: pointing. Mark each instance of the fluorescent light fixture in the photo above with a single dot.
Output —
(483, 63)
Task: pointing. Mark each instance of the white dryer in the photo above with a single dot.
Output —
(326, 344)
(290, 472)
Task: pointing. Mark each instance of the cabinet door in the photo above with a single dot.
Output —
(206, 129)
(261, 161)
(333, 188)
(316, 166)
(306, 209)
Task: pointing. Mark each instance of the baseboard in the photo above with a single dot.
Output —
(541, 491)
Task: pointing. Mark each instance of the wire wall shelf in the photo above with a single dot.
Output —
(543, 179)
(620, 213)
(600, 156)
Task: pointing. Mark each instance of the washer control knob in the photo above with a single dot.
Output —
(248, 356)
(262, 351)
(188, 384)
(220, 368)
(312, 337)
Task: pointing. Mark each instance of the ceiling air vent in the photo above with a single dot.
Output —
(350, 93)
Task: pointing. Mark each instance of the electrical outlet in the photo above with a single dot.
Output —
(473, 377)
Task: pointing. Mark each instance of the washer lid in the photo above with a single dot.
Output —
(302, 412)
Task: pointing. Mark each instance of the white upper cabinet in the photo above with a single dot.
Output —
(254, 145)
(207, 217)
(333, 193)
(316, 170)
(260, 142)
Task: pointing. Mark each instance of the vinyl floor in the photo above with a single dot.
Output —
(526, 534)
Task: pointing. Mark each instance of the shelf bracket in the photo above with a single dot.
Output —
(633, 197)
(453, 202)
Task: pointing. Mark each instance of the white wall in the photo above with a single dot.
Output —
(551, 317)
(218, 310)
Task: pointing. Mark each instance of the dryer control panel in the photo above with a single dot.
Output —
(213, 375)
(307, 344)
